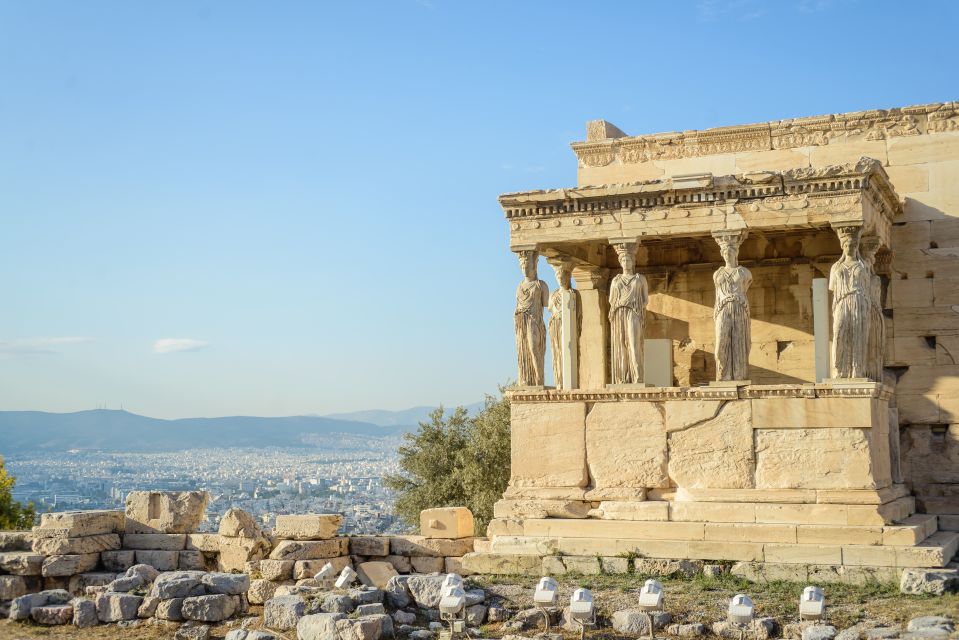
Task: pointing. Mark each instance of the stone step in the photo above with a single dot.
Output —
(934, 551)
(794, 513)
(908, 532)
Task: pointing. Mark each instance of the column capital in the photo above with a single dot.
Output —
(524, 248)
(589, 277)
(737, 236)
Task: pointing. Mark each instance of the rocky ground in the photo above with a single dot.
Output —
(695, 605)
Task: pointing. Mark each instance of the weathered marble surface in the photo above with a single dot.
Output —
(532, 295)
(731, 310)
(850, 281)
(628, 295)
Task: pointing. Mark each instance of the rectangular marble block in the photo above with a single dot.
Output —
(548, 445)
(626, 448)
(658, 362)
(818, 413)
(838, 458)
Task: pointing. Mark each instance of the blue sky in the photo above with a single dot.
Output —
(273, 208)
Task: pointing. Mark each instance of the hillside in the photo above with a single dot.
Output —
(112, 430)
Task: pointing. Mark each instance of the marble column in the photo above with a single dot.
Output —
(850, 281)
(532, 296)
(628, 295)
(731, 310)
(869, 245)
(592, 286)
(564, 325)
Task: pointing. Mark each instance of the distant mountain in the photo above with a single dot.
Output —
(110, 430)
(405, 418)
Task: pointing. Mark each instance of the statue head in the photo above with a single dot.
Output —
(849, 241)
(626, 253)
(868, 246)
(729, 244)
(527, 262)
(564, 273)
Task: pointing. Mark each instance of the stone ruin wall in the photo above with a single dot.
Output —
(919, 149)
(92, 562)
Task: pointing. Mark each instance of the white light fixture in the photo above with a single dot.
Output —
(581, 609)
(325, 574)
(812, 604)
(347, 576)
(546, 595)
(451, 579)
(453, 607)
(740, 609)
(651, 598)
(453, 600)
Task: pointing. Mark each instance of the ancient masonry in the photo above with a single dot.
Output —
(90, 567)
(756, 358)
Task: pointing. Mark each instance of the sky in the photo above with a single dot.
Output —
(283, 208)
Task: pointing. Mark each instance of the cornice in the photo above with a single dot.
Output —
(770, 190)
(661, 394)
(878, 124)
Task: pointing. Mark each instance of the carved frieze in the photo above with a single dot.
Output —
(597, 154)
(877, 124)
(945, 118)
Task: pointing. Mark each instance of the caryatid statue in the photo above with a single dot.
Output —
(628, 295)
(850, 281)
(877, 326)
(532, 295)
(563, 300)
(731, 311)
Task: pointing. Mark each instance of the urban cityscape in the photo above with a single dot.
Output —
(341, 474)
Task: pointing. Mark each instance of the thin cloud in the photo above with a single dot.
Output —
(178, 345)
(38, 346)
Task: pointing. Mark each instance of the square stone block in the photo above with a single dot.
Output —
(155, 541)
(81, 523)
(548, 444)
(803, 554)
(307, 526)
(310, 550)
(446, 522)
(165, 511)
(626, 445)
(716, 452)
(370, 545)
(817, 413)
(814, 459)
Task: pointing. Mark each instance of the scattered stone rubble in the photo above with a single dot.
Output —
(149, 566)
(150, 563)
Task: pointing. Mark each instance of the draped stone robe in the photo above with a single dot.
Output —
(531, 298)
(556, 335)
(628, 296)
(877, 331)
(731, 317)
(851, 286)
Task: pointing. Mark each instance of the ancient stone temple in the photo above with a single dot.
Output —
(755, 355)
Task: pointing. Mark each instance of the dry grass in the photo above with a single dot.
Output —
(698, 599)
(704, 600)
